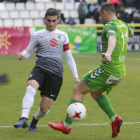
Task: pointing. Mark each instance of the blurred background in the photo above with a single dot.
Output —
(83, 16)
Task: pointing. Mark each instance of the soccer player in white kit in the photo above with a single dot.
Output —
(47, 75)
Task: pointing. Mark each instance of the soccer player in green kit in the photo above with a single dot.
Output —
(111, 71)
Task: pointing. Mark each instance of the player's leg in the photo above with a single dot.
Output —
(27, 103)
(99, 81)
(104, 102)
(78, 93)
(45, 104)
(49, 92)
(82, 88)
(28, 100)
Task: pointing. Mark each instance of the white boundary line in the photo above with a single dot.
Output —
(127, 123)
(86, 56)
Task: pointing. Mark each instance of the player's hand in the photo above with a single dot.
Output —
(107, 57)
(77, 80)
(20, 56)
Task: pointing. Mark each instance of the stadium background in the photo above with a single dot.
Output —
(20, 14)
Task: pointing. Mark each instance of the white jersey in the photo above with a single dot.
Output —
(49, 48)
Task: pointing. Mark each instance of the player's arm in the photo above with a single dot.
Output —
(70, 60)
(132, 33)
(111, 34)
(27, 53)
(111, 47)
(72, 65)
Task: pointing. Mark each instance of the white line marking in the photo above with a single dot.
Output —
(108, 123)
(80, 124)
(86, 56)
(5, 126)
(133, 59)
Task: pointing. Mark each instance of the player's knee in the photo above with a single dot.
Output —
(33, 84)
(75, 89)
(79, 90)
(94, 96)
(29, 83)
(44, 107)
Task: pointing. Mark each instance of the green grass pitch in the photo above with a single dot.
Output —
(125, 99)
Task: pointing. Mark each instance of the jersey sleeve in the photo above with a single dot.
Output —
(32, 44)
(71, 63)
(110, 30)
(66, 43)
(129, 30)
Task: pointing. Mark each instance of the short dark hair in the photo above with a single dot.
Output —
(108, 7)
(52, 12)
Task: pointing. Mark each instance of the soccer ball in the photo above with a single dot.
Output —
(76, 111)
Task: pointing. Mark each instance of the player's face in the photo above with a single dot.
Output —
(51, 22)
(103, 17)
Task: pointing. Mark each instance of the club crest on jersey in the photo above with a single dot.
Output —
(53, 42)
(59, 36)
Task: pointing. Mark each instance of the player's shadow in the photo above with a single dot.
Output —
(4, 78)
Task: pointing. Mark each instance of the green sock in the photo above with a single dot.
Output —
(105, 104)
(67, 120)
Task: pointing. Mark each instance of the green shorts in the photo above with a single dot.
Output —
(99, 79)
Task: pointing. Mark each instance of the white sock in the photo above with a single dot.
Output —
(39, 114)
(28, 101)
(113, 118)
(67, 125)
